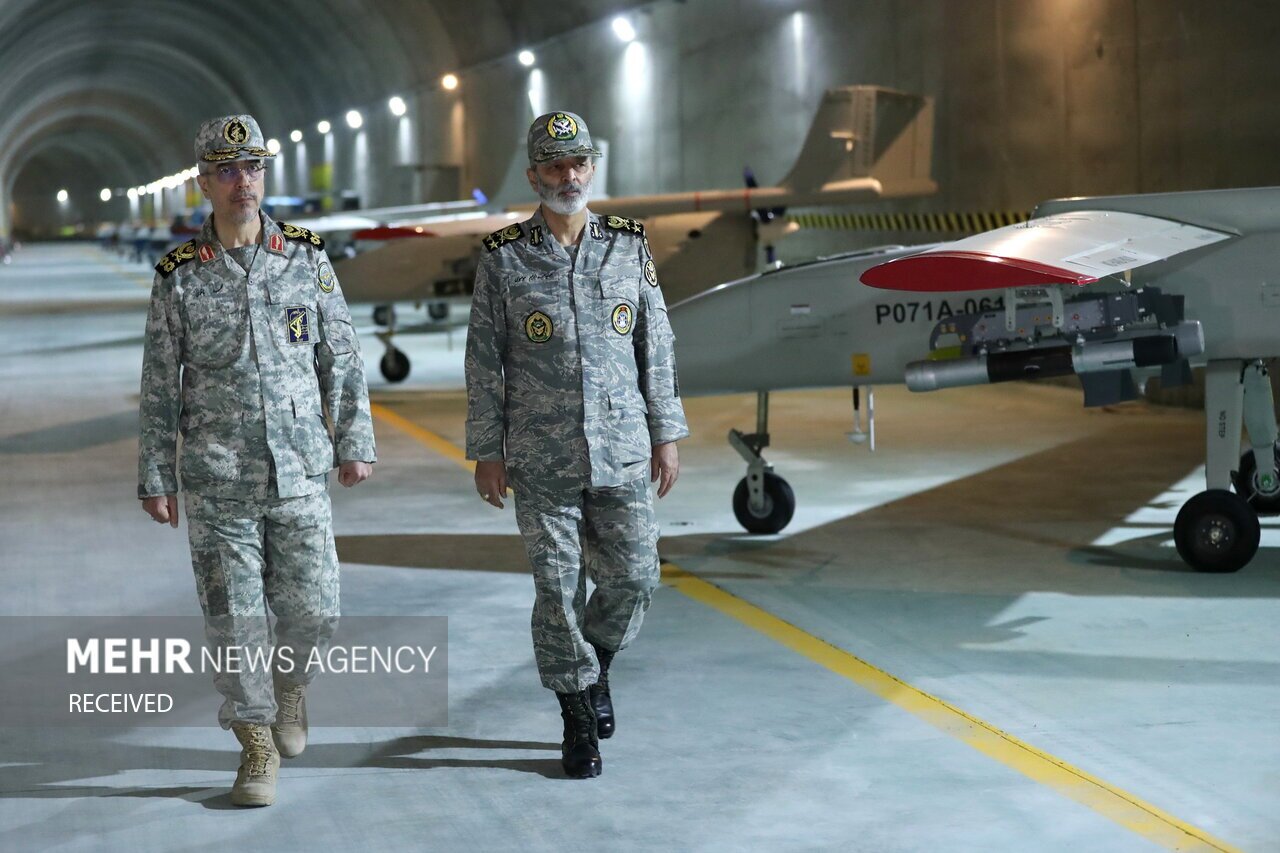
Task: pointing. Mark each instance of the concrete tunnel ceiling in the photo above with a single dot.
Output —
(134, 78)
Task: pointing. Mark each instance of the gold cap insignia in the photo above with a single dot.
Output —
(236, 132)
(561, 126)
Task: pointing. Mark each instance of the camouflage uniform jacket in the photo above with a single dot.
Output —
(244, 367)
(570, 363)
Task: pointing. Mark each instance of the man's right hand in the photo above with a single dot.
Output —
(491, 481)
(161, 509)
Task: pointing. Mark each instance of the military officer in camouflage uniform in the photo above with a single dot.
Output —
(572, 398)
(251, 357)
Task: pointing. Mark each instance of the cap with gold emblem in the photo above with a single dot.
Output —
(557, 135)
(238, 137)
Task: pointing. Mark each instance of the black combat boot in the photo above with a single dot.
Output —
(601, 701)
(580, 752)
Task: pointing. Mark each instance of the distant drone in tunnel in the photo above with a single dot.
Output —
(866, 143)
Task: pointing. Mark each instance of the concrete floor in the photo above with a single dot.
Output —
(1004, 551)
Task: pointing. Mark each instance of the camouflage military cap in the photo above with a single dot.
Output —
(557, 135)
(237, 137)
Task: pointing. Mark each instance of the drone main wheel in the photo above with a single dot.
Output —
(1217, 531)
(779, 505)
(394, 365)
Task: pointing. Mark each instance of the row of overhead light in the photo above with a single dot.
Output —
(622, 28)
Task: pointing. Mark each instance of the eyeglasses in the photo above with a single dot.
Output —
(228, 173)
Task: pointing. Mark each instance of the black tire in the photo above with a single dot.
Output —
(779, 505)
(438, 311)
(1217, 531)
(1248, 489)
(394, 365)
(384, 315)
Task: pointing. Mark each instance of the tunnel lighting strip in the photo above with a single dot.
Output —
(1114, 803)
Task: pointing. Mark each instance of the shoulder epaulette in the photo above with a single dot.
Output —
(621, 223)
(503, 236)
(176, 258)
(293, 232)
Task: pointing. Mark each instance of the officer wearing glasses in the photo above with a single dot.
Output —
(251, 358)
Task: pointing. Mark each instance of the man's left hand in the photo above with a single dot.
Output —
(664, 468)
(350, 473)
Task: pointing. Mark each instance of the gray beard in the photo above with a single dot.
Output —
(564, 207)
(238, 217)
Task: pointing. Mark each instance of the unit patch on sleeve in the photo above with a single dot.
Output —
(650, 273)
(326, 277)
(622, 318)
(176, 258)
(502, 237)
(293, 232)
(295, 321)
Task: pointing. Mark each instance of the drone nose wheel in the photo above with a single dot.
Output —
(776, 510)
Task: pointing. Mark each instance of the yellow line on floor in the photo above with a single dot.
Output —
(439, 444)
(1114, 803)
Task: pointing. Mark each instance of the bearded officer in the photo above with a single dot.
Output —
(251, 357)
(572, 398)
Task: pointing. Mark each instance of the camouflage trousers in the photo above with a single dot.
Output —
(612, 533)
(249, 555)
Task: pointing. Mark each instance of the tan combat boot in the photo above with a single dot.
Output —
(290, 728)
(259, 762)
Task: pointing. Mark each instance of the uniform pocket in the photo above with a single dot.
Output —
(340, 336)
(534, 318)
(213, 448)
(628, 428)
(312, 441)
(214, 323)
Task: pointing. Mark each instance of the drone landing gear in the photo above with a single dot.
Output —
(1218, 529)
(763, 502)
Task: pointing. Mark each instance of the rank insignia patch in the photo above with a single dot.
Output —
(326, 277)
(596, 233)
(651, 273)
(502, 237)
(207, 252)
(295, 320)
(293, 232)
(561, 126)
(235, 132)
(176, 258)
(538, 327)
(622, 318)
(535, 235)
(621, 223)
(276, 243)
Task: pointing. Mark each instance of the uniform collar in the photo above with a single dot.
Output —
(539, 235)
(209, 250)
